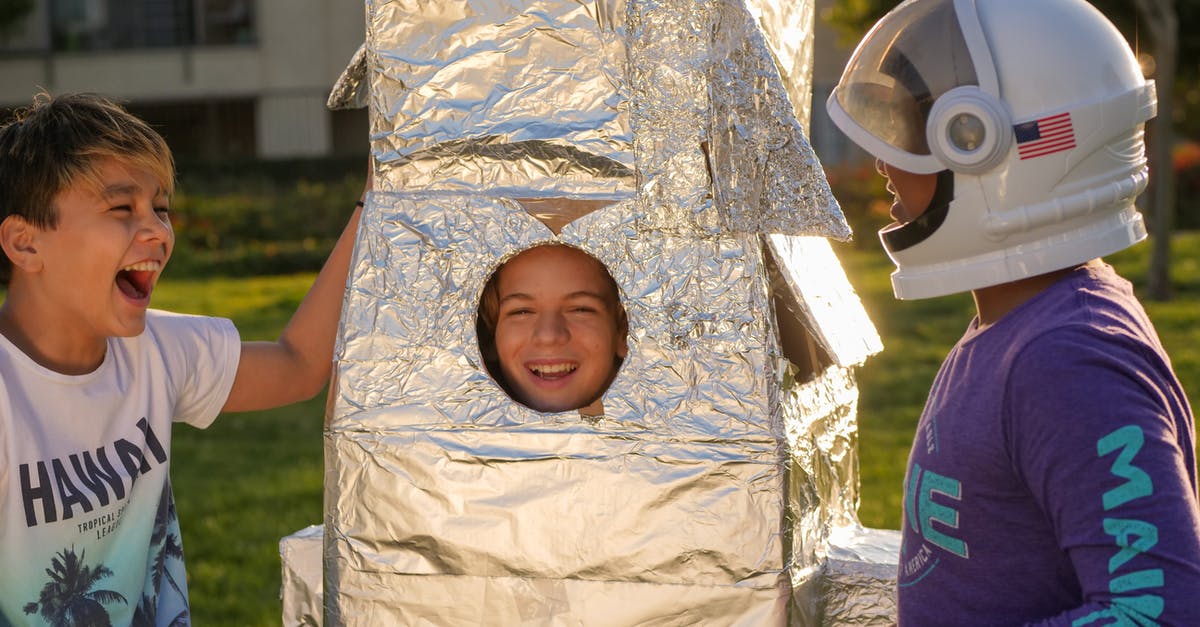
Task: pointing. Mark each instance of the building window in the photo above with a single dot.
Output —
(112, 24)
(222, 22)
(22, 25)
(83, 25)
(207, 129)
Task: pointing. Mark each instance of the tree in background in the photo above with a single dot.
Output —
(1170, 31)
(1163, 23)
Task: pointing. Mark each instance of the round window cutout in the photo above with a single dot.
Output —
(552, 330)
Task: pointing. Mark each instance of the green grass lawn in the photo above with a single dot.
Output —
(251, 479)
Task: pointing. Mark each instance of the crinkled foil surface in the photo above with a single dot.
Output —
(301, 591)
(859, 584)
(708, 491)
(679, 104)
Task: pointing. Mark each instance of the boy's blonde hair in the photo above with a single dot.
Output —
(58, 142)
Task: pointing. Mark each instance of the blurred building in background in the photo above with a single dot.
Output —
(244, 78)
(829, 59)
(218, 78)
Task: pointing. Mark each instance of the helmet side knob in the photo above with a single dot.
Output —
(969, 130)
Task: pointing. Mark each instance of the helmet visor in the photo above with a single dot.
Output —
(913, 55)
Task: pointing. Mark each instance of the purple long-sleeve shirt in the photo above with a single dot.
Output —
(1052, 479)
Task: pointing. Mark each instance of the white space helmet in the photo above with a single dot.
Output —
(1035, 106)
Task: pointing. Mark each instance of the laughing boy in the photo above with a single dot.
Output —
(91, 379)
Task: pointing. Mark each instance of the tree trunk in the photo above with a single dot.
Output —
(1160, 18)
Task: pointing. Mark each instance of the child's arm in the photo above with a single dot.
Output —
(297, 365)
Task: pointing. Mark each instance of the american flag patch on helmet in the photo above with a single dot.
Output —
(1045, 136)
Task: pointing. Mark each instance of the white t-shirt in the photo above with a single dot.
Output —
(87, 518)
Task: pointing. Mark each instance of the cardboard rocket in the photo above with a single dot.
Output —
(720, 486)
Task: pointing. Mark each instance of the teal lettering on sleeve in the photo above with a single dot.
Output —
(1133, 536)
(1139, 611)
(1139, 580)
(1129, 440)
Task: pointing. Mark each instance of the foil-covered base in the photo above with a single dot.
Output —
(301, 591)
(859, 584)
(856, 588)
(505, 601)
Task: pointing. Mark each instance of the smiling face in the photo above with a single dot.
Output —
(91, 275)
(559, 328)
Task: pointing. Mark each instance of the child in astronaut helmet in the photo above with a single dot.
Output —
(1053, 476)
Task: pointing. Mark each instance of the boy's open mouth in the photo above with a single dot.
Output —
(136, 280)
(551, 372)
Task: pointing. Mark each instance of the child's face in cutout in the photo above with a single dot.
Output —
(559, 331)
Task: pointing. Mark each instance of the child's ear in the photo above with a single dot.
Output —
(17, 239)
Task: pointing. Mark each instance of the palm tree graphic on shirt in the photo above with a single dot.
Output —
(169, 548)
(71, 596)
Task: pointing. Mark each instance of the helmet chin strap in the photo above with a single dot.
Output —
(898, 237)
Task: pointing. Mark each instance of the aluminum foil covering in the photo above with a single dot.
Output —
(788, 29)
(301, 589)
(824, 298)
(658, 136)
(859, 584)
(679, 104)
(437, 478)
(350, 90)
(822, 441)
(502, 96)
(762, 166)
(857, 587)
